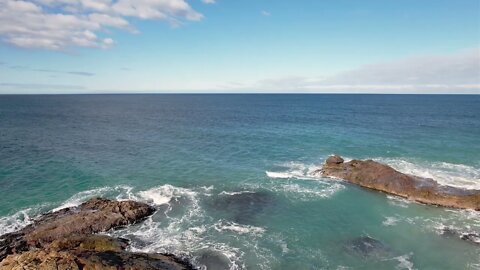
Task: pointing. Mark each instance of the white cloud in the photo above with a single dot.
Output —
(59, 24)
(208, 1)
(28, 88)
(450, 69)
(449, 73)
(266, 13)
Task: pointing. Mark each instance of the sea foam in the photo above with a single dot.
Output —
(294, 174)
(164, 194)
(238, 228)
(457, 175)
(120, 192)
(292, 169)
(16, 221)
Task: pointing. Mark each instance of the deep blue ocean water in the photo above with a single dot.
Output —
(231, 174)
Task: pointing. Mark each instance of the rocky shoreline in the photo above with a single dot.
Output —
(67, 239)
(377, 176)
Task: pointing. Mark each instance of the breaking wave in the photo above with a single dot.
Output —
(238, 228)
(180, 222)
(117, 192)
(294, 173)
(16, 221)
(293, 170)
(457, 175)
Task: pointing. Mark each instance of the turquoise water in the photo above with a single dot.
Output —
(231, 174)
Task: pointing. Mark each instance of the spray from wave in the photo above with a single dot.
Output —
(294, 186)
(16, 221)
(457, 175)
(293, 170)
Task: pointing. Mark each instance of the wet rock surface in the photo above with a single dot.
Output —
(66, 239)
(377, 176)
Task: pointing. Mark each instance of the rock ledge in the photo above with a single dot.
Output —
(66, 239)
(377, 176)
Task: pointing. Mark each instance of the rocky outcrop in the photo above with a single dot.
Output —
(66, 240)
(90, 252)
(377, 176)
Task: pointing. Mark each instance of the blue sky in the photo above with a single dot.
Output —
(123, 46)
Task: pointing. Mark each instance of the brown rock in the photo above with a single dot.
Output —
(377, 176)
(65, 240)
(107, 260)
(100, 243)
(93, 216)
(40, 259)
(334, 160)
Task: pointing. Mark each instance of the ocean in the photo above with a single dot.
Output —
(231, 174)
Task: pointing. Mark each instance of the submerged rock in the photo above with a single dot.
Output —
(213, 260)
(65, 239)
(377, 176)
(367, 247)
(471, 237)
(244, 205)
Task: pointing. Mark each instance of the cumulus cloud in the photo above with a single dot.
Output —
(59, 24)
(449, 73)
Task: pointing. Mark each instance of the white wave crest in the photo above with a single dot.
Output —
(404, 262)
(119, 192)
(390, 221)
(457, 175)
(164, 194)
(461, 222)
(235, 192)
(184, 228)
(283, 175)
(238, 228)
(294, 187)
(294, 170)
(324, 190)
(16, 221)
(398, 201)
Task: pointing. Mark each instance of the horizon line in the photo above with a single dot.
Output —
(233, 93)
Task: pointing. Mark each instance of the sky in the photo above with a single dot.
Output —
(239, 46)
